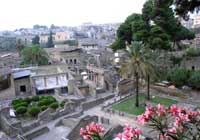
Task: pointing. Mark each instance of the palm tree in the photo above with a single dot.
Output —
(137, 66)
(150, 73)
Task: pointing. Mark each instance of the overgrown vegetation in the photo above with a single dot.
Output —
(194, 80)
(178, 76)
(192, 52)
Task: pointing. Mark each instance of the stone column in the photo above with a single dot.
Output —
(67, 76)
(45, 81)
(56, 80)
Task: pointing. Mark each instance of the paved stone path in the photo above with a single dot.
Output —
(116, 120)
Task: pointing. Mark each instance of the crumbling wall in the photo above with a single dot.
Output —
(74, 134)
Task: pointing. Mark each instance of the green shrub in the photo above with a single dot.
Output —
(192, 52)
(42, 108)
(35, 98)
(21, 110)
(194, 80)
(54, 105)
(62, 104)
(17, 101)
(176, 60)
(28, 100)
(20, 104)
(34, 111)
(46, 102)
(178, 76)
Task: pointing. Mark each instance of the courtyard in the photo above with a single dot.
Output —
(128, 105)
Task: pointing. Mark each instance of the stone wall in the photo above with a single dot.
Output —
(168, 91)
(95, 102)
(74, 134)
(45, 116)
(193, 62)
(40, 131)
(49, 114)
(23, 82)
(84, 90)
(30, 126)
(10, 129)
(125, 86)
(8, 93)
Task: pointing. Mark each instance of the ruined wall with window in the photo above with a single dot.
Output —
(22, 86)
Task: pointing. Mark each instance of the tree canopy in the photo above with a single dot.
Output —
(157, 27)
(34, 55)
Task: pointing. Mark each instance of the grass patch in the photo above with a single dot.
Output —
(128, 105)
(163, 101)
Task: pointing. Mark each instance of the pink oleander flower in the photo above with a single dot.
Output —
(146, 116)
(92, 130)
(172, 130)
(129, 133)
(160, 110)
(174, 109)
(161, 107)
(183, 117)
(177, 122)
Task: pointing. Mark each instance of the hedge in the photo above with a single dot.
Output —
(34, 104)
(34, 111)
(62, 104)
(35, 98)
(42, 108)
(20, 104)
(54, 105)
(21, 110)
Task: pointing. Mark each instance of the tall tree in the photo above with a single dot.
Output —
(137, 66)
(164, 16)
(134, 28)
(158, 39)
(50, 43)
(36, 40)
(34, 55)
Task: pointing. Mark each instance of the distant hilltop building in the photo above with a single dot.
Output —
(57, 37)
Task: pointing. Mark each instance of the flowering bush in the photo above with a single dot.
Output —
(130, 133)
(92, 131)
(95, 131)
(172, 123)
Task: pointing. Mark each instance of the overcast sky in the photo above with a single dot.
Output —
(25, 13)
